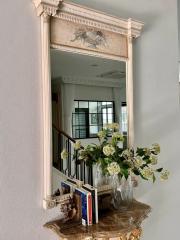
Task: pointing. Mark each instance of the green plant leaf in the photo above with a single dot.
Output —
(125, 172)
(159, 170)
(136, 172)
(143, 177)
(140, 152)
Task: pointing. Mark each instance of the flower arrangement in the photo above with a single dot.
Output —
(114, 160)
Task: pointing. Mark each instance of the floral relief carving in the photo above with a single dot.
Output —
(90, 37)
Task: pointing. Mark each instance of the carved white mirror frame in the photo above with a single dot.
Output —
(57, 11)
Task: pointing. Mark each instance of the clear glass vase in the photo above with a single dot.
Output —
(99, 178)
(116, 194)
(122, 192)
(127, 189)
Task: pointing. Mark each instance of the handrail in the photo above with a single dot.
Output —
(79, 172)
(64, 133)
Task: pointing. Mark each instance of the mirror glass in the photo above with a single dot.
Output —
(87, 93)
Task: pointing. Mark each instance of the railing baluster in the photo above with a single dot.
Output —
(67, 160)
(77, 174)
(76, 166)
(76, 169)
(69, 157)
(54, 155)
(90, 176)
(59, 152)
(84, 173)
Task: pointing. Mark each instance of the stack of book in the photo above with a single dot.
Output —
(85, 200)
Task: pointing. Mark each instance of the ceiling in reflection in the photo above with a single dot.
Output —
(69, 64)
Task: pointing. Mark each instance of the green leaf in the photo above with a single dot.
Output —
(143, 177)
(146, 158)
(154, 178)
(140, 152)
(125, 172)
(159, 170)
(136, 172)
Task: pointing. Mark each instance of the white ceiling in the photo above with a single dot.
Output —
(69, 64)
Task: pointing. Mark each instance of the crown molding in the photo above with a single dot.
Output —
(89, 17)
(91, 81)
(93, 18)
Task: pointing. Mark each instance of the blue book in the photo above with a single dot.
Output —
(84, 204)
(67, 187)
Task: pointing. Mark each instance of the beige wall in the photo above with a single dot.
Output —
(157, 116)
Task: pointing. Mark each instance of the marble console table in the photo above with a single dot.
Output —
(113, 224)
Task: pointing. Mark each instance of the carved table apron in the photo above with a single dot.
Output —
(113, 224)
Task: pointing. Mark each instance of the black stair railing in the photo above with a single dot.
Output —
(72, 167)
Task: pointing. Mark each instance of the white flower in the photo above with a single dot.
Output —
(108, 150)
(147, 151)
(153, 160)
(129, 162)
(113, 168)
(147, 172)
(101, 134)
(118, 136)
(138, 162)
(164, 175)
(82, 155)
(126, 153)
(156, 148)
(115, 126)
(112, 126)
(77, 145)
(64, 154)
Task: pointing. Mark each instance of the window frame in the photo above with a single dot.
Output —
(98, 125)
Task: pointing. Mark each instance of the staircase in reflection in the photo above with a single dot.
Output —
(71, 167)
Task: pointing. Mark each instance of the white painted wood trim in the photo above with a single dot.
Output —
(89, 17)
(88, 53)
(129, 93)
(46, 95)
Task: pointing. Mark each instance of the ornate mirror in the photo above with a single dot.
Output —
(87, 82)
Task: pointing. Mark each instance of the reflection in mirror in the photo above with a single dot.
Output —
(87, 94)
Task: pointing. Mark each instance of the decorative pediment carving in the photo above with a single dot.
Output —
(48, 7)
(88, 17)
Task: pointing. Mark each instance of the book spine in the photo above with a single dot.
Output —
(93, 192)
(90, 209)
(65, 187)
(84, 209)
(93, 207)
(96, 206)
(84, 205)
